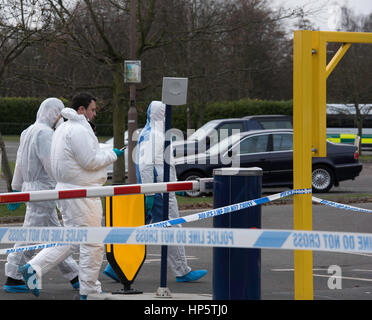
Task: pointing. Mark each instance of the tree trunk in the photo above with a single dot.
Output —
(119, 119)
(359, 123)
(5, 168)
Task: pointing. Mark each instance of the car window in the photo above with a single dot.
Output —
(224, 145)
(282, 141)
(253, 144)
(226, 130)
(276, 124)
(203, 131)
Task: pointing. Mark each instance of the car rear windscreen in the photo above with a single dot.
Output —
(276, 124)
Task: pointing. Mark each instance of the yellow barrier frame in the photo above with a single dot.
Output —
(310, 73)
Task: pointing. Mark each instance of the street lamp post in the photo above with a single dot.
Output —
(132, 112)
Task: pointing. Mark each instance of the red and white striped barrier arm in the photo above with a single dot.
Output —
(93, 192)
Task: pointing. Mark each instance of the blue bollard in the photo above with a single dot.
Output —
(237, 272)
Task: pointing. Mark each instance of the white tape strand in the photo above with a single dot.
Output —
(232, 238)
(200, 215)
(307, 240)
(340, 205)
(227, 209)
(32, 247)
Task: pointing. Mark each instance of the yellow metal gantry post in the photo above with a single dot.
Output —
(302, 204)
(310, 73)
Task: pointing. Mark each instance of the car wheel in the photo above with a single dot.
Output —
(192, 175)
(322, 179)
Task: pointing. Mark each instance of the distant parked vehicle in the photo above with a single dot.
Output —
(135, 137)
(175, 134)
(110, 144)
(271, 150)
(216, 130)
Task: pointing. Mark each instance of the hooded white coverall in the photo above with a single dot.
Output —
(77, 161)
(150, 168)
(32, 172)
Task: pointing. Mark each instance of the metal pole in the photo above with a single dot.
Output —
(132, 112)
(132, 126)
(164, 249)
(302, 147)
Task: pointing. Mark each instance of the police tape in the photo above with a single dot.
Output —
(190, 218)
(206, 237)
(227, 209)
(39, 246)
(340, 205)
(204, 215)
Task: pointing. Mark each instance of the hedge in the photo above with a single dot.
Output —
(16, 114)
(230, 109)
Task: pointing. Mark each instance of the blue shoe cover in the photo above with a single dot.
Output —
(192, 276)
(76, 285)
(29, 275)
(21, 288)
(83, 297)
(111, 273)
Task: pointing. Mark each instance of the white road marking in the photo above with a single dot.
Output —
(343, 278)
(330, 275)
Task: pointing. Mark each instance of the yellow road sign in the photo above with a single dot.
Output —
(125, 211)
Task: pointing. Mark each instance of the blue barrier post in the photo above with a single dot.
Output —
(237, 272)
(166, 173)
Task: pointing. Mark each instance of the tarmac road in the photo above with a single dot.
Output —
(276, 265)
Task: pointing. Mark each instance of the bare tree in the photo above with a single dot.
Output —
(351, 82)
(21, 24)
(98, 30)
(228, 49)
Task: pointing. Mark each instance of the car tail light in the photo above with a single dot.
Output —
(356, 155)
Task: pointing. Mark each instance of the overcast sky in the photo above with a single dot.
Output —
(326, 10)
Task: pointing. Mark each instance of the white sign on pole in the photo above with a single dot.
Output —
(132, 71)
(174, 91)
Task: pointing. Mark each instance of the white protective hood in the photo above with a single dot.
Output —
(32, 170)
(76, 157)
(49, 111)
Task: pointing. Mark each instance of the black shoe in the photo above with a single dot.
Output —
(15, 285)
(75, 283)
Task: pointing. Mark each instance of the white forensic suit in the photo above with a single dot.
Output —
(150, 168)
(33, 172)
(77, 162)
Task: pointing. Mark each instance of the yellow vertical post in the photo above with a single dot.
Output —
(319, 112)
(302, 127)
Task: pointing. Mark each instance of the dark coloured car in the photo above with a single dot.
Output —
(271, 150)
(216, 130)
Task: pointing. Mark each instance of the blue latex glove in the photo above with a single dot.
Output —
(149, 203)
(13, 206)
(118, 152)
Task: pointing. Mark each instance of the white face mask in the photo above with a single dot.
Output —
(59, 122)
